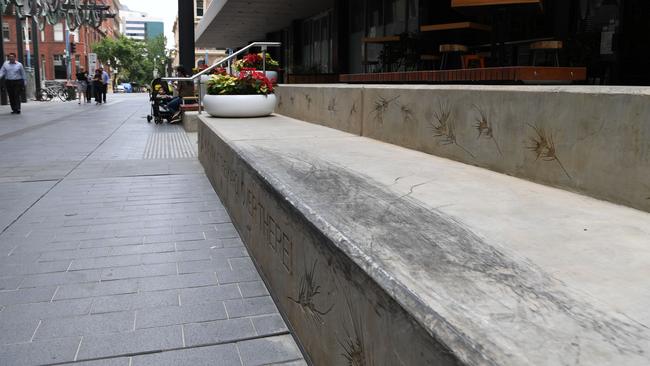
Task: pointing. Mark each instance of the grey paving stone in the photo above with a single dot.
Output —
(86, 325)
(108, 239)
(47, 310)
(59, 255)
(143, 249)
(269, 324)
(177, 281)
(206, 265)
(19, 258)
(34, 268)
(180, 229)
(106, 262)
(10, 283)
(222, 231)
(250, 306)
(220, 355)
(245, 263)
(239, 275)
(202, 295)
(182, 246)
(121, 361)
(269, 350)
(61, 278)
(39, 353)
(113, 242)
(232, 243)
(138, 341)
(235, 252)
(15, 330)
(172, 315)
(175, 257)
(41, 247)
(218, 331)
(107, 304)
(253, 289)
(170, 238)
(25, 296)
(78, 291)
(118, 273)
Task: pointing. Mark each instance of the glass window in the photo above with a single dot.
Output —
(58, 32)
(199, 8)
(6, 34)
(60, 71)
(413, 23)
(42, 36)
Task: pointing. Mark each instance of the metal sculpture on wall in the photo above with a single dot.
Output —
(75, 13)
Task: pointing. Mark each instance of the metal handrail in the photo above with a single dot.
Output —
(263, 45)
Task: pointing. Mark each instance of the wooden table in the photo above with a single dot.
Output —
(455, 26)
(384, 39)
(467, 3)
(496, 7)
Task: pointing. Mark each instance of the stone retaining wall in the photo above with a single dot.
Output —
(591, 140)
(340, 315)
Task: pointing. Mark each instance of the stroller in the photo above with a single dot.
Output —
(159, 111)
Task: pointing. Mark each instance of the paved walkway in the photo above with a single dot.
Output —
(114, 249)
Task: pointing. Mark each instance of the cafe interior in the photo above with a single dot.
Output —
(600, 42)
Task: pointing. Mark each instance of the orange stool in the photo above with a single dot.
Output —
(473, 59)
(545, 47)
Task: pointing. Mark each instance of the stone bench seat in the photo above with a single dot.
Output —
(391, 256)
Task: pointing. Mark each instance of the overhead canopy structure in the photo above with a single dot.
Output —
(235, 23)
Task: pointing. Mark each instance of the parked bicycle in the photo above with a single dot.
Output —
(50, 92)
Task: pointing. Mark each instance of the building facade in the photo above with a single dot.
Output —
(55, 59)
(138, 25)
(207, 55)
(606, 37)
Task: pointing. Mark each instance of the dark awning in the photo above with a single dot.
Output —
(235, 23)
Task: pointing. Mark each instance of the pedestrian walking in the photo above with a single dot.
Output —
(82, 85)
(98, 86)
(105, 79)
(14, 74)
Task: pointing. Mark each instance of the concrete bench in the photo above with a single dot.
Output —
(386, 255)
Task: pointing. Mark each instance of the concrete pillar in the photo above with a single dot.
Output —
(186, 34)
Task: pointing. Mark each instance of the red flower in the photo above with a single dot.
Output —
(252, 59)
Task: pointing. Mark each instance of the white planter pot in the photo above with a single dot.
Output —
(239, 105)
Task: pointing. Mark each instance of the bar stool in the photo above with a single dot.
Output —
(446, 50)
(429, 60)
(546, 47)
(469, 60)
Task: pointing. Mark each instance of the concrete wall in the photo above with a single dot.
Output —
(339, 314)
(338, 107)
(591, 140)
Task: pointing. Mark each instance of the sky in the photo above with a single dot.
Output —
(162, 9)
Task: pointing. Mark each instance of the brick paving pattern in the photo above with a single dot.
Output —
(110, 257)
